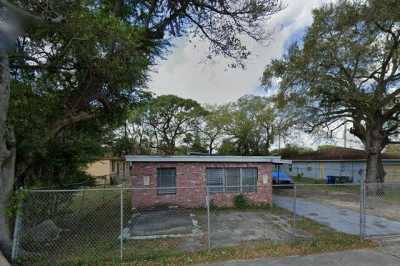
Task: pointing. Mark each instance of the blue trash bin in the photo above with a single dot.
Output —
(330, 179)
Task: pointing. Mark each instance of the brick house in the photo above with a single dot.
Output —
(183, 180)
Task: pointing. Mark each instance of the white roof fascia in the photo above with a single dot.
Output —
(203, 158)
(344, 160)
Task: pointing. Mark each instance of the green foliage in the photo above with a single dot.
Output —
(297, 178)
(240, 201)
(93, 67)
(332, 76)
(212, 128)
(198, 145)
(251, 124)
(345, 70)
(168, 119)
(245, 127)
(55, 161)
(228, 147)
(291, 150)
(325, 147)
(15, 201)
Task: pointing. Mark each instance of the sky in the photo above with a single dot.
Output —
(186, 74)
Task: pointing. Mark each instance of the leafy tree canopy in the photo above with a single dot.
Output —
(87, 61)
(169, 118)
(346, 70)
(291, 150)
(251, 124)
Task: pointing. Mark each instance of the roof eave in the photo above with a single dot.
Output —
(216, 159)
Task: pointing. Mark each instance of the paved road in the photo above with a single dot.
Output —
(348, 258)
(341, 219)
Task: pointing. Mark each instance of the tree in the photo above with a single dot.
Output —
(134, 136)
(197, 144)
(71, 46)
(291, 150)
(8, 34)
(170, 118)
(346, 70)
(251, 124)
(228, 147)
(57, 162)
(212, 126)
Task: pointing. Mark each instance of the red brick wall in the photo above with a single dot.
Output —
(191, 185)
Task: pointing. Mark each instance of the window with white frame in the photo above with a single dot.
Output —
(232, 179)
(166, 181)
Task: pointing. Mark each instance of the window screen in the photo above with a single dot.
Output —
(166, 180)
(249, 179)
(232, 179)
(215, 179)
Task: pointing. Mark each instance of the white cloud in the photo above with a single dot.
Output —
(185, 74)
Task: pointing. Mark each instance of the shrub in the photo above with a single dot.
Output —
(212, 205)
(240, 201)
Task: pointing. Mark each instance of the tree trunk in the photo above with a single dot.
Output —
(210, 147)
(375, 172)
(375, 175)
(7, 156)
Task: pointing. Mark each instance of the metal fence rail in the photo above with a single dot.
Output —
(115, 223)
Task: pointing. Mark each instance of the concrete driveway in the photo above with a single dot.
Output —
(348, 258)
(233, 227)
(340, 219)
(227, 227)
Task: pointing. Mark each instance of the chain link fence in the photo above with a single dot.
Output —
(78, 226)
(381, 209)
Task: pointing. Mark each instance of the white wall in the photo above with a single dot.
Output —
(322, 169)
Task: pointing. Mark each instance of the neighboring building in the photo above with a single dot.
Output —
(183, 180)
(109, 170)
(339, 161)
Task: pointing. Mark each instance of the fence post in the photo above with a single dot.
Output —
(208, 218)
(122, 223)
(17, 228)
(294, 210)
(361, 209)
(365, 189)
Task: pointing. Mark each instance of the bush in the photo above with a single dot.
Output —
(240, 201)
(212, 205)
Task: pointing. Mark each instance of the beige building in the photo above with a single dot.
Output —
(109, 170)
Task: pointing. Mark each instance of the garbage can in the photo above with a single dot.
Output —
(330, 179)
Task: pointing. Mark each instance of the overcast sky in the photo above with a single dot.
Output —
(184, 72)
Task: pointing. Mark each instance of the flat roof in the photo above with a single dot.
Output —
(208, 158)
(342, 160)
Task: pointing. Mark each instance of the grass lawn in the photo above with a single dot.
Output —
(94, 225)
(392, 195)
(302, 183)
